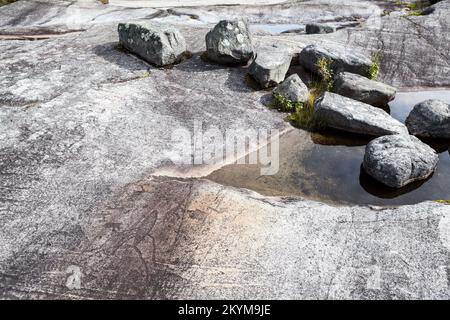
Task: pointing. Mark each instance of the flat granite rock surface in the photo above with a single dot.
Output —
(85, 132)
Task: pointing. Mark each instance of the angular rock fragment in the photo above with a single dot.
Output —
(293, 89)
(360, 88)
(270, 66)
(430, 119)
(230, 42)
(334, 111)
(398, 160)
(316, 28)
(342, 59)
(158, 44)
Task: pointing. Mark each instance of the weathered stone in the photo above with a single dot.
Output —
(430, 119)
(342, 113)
(341, 58)
(230, 42)
(158, 44)
(315, 28)
(398, 160)
(73, 160)
(293, 89)
(270, 66)
(363, 89)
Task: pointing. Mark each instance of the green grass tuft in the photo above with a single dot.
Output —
(443, 201)
(5, 2)
(284, 104)
(326, 75)
(374, 69)
(303, 116)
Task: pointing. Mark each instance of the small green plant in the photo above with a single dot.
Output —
(416, 8)
(415, 13)
(374, 68)
(413, 6)
(443, 201)
(326, 74)
(303, 116)
(283, 104)
(146, 74)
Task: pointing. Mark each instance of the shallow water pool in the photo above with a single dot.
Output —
(327, 166)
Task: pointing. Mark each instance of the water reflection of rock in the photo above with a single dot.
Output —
(380, 190)
(339, 138)
(439, 145)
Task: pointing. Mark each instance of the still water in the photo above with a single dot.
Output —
(327, 166)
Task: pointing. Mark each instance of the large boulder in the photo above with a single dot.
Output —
(270, 66)
(230, 42)
(335, 111)
(398, 160)
(158, 44)
(430, 119)
(362, 89)
(293, 89)
(316, 28)
(342, 59)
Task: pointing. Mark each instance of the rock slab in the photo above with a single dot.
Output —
(316, 28)
(430, 119)
(158, 44)
(342, 59)
(230, 42)
(293, 89)
(342, 113)
(398, 160)
(360, 88)
(270, 66)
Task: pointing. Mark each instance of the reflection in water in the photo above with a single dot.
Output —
(326, 166)
(378, 189)
(336, 138)
(405, 101)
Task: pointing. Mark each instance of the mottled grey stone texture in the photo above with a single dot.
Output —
(86, 129)
(363, 89)
(270, 66)
(341, 58)
(398, 160)
(293, 89)
(430, 119)
(158, 44)
(342, 113)
(230, 42)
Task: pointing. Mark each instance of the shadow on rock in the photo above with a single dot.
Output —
(114, 53)
(379, 190)
(199, 63)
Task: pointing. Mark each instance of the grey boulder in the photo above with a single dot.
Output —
(316, 28)
(398, 160)
(342, 59)
(293, 89)
(430, 119)
(363, 89)
(158, 44)
(335, 111)
(230, 42)
(270, 66)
